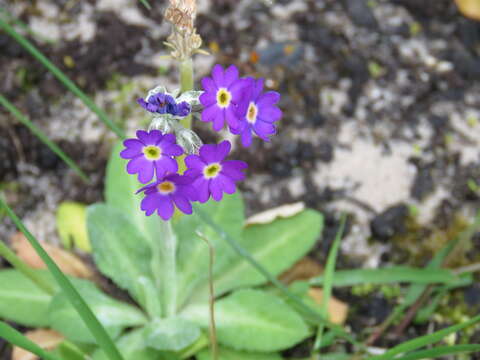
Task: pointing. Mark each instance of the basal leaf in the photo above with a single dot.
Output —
(277, 246)
(21, 300)
(193, 253)
(229, 354)
(120, 251)
(252, 320)
(132, 347)
(72, 225)
(171, 334)
(120, 188)
(113, 314)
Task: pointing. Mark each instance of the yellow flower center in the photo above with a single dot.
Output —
(212, 170)
(252, 113)
(152, 152)
(166, 187)
(223, 97)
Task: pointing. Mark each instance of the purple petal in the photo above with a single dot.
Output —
(209, 113)
(227, 184)
(268, 98)
(269, 113)
(201, 185)
(215, 188)
(149, 138)
(143, 167)
(208, 98)
(222, 150)
(233, 169)
(165, 165)
(241, 89)
(171, 149)
(207, 153)
(133, 148)
(257, 88)
(217, 75)
(263, 128)
(194, 162)
(231, 117)
(165, 207)
(182, 203)
(219, 120)
(247, 136)
(209, 85)
(231, 74)
(149, 203)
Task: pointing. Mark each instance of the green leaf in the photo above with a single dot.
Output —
(21, 300)
(252, 320)
(277, 246)
(390, 275)
(18, 339)
(120, 188)
(72, 225)
(424, 340)
(119, 249)
(133, 347)
(229, 354)
(112, 314)
(171, 334)
(439, 351)
(193, 253)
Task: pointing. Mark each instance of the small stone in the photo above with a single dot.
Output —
(361, 14)
(423, 184)
(325, 152)
(389, 223)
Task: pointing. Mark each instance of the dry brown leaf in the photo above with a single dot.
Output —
(270, 215)
(304, 269)
(69, 263)
(46, 339)
(469, 8)
(337, 310)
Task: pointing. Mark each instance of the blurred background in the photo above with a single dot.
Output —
(381, 102)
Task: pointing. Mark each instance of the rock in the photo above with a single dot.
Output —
(423, 184)
(389, 223)
(471, 295)
(325, 152)
(360, 13)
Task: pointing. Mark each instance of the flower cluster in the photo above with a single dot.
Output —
(161, 103)
(238, 102)
(241, 103)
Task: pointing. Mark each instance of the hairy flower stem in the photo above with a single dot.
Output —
(186, 84)
(26, 270)
(168, 254)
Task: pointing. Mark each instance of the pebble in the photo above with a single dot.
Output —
(389, 223)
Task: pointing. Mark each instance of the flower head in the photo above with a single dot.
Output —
(222, 94)
(257, 112)
(212, 174)
(158, 103)
(167, 192)
(152, 152)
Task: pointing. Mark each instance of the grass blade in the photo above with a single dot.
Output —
(436, 352)
(328, 279)
(301, 306)
(18, 339)
(60, 75)
(39, 134)
(146, 4)
(424, 340)
(390, 275)
(98, 331)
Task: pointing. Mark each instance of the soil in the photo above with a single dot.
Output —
(380, 98)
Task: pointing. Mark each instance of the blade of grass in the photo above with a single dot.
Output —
(18, 339)
(424, 340)
(26, 270)
(301, 306)
(146, 4)
(389, 275)
(328, 280)
(438, 351)
(98, 331)
(60, 75)
(25, 27)
(39, 134)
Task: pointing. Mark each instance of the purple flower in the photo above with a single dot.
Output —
(159, 103)
(166, 193)
(222, 93)
(151, 152)
(182, 109)
(257, 113)
(212, 174)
